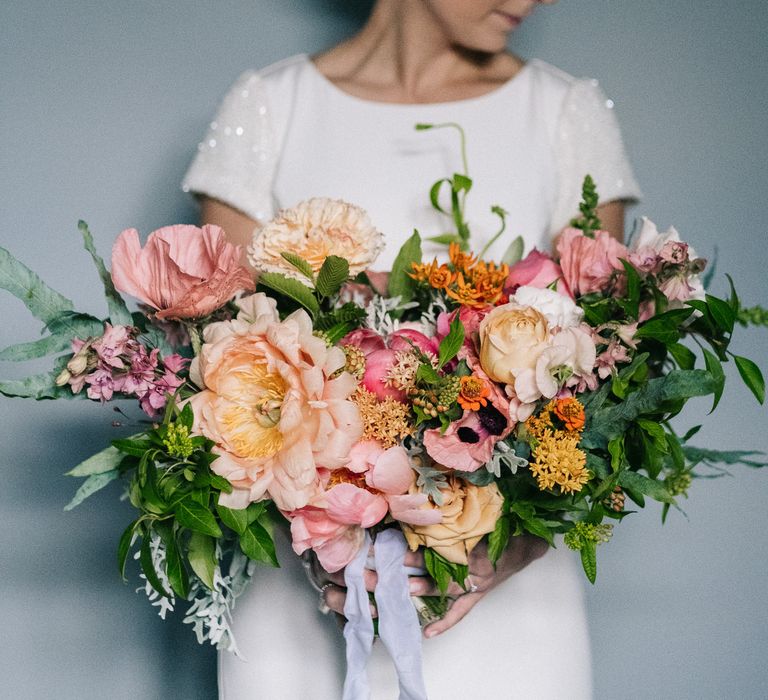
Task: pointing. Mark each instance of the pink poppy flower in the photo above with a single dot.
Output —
(182, 271)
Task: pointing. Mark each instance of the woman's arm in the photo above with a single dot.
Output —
(238, 227)
(611, 216)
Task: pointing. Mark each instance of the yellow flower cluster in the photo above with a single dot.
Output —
(387, 421)
(467, 280)
(557, 459)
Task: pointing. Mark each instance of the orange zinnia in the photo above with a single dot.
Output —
(473, 393)
(571, 412)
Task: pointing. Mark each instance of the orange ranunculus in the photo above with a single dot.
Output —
(273, 404)
(182, 271)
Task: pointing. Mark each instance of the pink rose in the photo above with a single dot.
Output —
(589, 263)
(536, 270)
(377, 366)
(335, 544)
(182, 271)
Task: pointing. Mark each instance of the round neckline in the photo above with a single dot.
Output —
(331, 86)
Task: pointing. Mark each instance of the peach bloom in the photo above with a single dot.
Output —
(314, 230)
(468, 511)
(511, 338)
(182, 271)
(271, 405)
(536, 270)
(361, 493)
(334, 544)
(588, 263)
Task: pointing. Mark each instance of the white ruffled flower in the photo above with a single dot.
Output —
(559, 310)
(314, 230)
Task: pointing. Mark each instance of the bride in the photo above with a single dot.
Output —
(341, 125)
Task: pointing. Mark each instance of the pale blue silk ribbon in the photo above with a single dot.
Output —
(399, 627)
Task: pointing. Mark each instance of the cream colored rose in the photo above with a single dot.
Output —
(469, 512)
(314, 230)
(511, 339)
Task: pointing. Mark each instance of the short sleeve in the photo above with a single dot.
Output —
(589, 143)
(235, 160)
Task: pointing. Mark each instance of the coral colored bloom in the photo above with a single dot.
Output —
(182, 271)
(334, 544)
(377, 369)
(274, 406)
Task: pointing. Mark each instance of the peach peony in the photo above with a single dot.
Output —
(334, 544)
(182, 271)
(468, 511)
(314, 230)
(270, 405)
(588, 263)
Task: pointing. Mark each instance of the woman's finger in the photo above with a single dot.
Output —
(370, 579)
(460, 607)
(335, 597)
(415, 559)
(424, 585)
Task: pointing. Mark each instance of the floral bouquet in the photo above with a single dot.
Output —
(471, 399)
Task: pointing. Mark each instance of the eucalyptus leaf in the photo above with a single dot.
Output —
(37, 348)
(202, 557)
(118, 311)
(42, 301)
(91, 485)
(514, 251)
(106, 460)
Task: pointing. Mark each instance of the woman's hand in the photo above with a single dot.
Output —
(522, 550)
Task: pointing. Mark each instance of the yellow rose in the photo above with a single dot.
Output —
(511, 340)
(469, 512)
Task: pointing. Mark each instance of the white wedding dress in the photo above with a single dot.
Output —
(285, 134)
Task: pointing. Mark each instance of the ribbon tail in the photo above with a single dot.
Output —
(399, 627)
(358, 631)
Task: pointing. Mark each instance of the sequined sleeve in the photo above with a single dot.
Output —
(589, 142)
(235, 160)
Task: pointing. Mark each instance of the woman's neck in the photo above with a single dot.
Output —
(402, 55)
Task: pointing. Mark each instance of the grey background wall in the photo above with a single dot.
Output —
(102, 105)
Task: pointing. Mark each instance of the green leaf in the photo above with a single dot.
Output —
(684, 357)
(237, 520)
(257, 544)
(38, 386)
(616, 450)
(118, 311)
(42, 301)
(202, 557)
(91, 485)
(461, 183)
(333, 273)
(37, 348)
(124, 547)
(752, 376)
(712, 363)
(106, 460)
(648, 487)
(400, 284)
(291, 288)
(451, 344)
(445, 239)
(722, 312)
(300, 264)
(174, 564)
(632, 300)
(444, 571)
(196, 517)
(697, 455)
(145, 559)
(589, 560)
(498, 539)
(434, 195)
(514, 252)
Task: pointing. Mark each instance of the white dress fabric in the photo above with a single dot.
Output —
(285, 134)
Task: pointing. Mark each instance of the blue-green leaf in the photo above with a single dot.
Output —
(118, 311)
(648, 487)
(514, 252)
(38, 386)
(43, 302)
(91, 485)
(104, 461)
